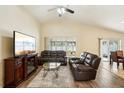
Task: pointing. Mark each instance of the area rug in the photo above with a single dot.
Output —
(64, 79)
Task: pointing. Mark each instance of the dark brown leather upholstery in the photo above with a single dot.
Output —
(87, 70)
(53, 56)
(82, 72)
(117, 56)
(119, 53)
(95, 63)
(77, 60)
(83, 56)
(89, 58)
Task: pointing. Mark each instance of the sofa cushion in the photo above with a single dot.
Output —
(75, 60)
(84, 68)
(74, 66)
(60, 55)
(53, 55)
(89, 58)
(83, 56)
(60, 59)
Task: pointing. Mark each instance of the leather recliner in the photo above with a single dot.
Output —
(53, 56)
(86, 68)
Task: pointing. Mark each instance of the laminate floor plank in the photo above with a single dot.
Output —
(107, 77)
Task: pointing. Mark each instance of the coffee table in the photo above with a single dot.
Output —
(51, 66)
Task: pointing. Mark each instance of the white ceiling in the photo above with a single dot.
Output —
(109, 17)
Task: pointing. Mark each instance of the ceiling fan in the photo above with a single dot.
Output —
(61, 10)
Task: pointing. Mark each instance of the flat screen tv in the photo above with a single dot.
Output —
(23, 44)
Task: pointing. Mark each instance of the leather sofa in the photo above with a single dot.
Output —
(85, 67)
(53, 56)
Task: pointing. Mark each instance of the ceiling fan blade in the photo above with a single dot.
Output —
(52, 9)
(69, 10)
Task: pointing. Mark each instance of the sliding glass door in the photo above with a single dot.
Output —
(108, 45)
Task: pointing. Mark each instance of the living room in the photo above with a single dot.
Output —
(76, 33)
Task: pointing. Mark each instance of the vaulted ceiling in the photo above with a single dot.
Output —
(106, 16)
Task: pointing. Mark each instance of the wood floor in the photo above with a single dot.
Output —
(107, 77)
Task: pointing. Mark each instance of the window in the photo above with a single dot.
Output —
(67, 44)
(63, 45)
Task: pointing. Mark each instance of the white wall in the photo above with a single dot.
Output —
(14, 18)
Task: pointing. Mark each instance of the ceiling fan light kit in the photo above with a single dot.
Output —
(61, 10)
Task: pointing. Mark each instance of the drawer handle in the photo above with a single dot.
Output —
(18, 63)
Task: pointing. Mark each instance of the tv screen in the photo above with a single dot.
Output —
(23, 44)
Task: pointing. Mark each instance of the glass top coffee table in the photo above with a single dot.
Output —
(51, 66)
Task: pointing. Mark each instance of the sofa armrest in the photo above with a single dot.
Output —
(96, 62)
